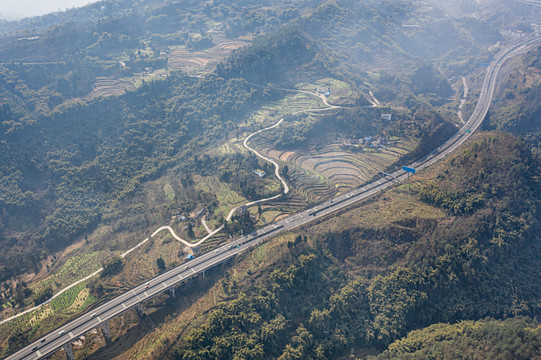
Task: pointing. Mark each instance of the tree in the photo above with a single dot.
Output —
(285, 171)
(160, 263)
(191, 234)
(112, 266)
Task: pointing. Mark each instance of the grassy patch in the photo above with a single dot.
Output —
(67, 299)
(169, 192)
(340, 90)
(261, 252)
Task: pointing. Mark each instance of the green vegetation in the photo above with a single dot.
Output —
(517, 109)
(112, 266)
(158, 135)
(448, 269)
(518, 338)
(115, 121)
(160, 264)
(283, 50)
(65, 300)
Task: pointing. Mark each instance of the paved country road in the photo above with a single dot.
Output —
(86, 322)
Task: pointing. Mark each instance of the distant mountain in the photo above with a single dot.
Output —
(10, 16)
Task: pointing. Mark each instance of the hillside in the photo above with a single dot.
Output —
(118, 120)
(404, 260)
(518, 338)
(517, 109)
(74, 161)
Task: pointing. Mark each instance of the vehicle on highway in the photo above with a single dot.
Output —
(93, 316)
(34, 348)
(187, 267)
(147, 285)
(217, 250)
(43, 340)
(61, 332)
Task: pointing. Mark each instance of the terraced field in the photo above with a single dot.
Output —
(310, 186)
(106, 86)
(203, 61)
(75, 268)
(340, 168)
(192, 62)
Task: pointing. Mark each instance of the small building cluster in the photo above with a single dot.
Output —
(259, 173)
(371, 142)
(243, 209)
(327, 92)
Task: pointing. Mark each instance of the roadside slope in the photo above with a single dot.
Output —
(424, 252)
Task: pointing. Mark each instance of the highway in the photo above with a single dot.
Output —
(98, 316)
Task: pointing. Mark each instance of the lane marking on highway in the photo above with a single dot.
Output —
(180, 277)
(193, 270)
(99, 319)
(146, 294)
(164, 284)
(124, 305)
(71, 335)
(38, 353)
(133, 292)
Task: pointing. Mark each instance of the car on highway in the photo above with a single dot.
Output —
(147, 285)
(43, 340)
(61, 332)
(34, 348)
(93, 316)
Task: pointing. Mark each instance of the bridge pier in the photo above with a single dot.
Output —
(105, 330)
(172, 291)
(68, 351)
(140, 310)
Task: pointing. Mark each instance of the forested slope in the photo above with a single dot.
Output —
(62, 173)
(518, 338)
(344, 289)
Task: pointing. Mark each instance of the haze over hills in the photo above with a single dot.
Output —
(15, 10)
(122, 117)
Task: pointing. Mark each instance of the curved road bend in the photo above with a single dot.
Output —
(86, 322)
(210, 232)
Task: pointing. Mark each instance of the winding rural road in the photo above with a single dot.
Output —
(122, 303)
(276, 172)
(210, 232)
